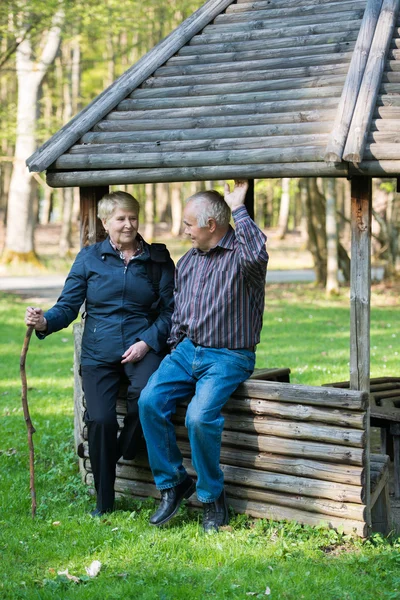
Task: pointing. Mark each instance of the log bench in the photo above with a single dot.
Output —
(289, 452)
(385, 414)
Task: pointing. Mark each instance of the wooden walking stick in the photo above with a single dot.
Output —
(30, 427)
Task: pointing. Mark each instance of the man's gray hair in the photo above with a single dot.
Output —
(210, 204)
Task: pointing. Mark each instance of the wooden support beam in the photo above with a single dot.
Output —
(363, 112)
(216, 172)
(133, 77)
(360, 294)
(189, 159)
(92, 230)
(360, 300)
(335, 147)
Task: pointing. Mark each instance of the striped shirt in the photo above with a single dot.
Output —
(219, 294)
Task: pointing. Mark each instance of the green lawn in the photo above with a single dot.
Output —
(256, 559)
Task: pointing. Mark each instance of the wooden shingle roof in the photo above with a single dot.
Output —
(259, 89)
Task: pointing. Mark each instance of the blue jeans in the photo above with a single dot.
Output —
(208, 376)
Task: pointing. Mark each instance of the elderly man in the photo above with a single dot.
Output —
(216, 324)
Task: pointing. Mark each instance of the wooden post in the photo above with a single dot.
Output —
(92, 230)
(361, 195)
(249, 200)
(360, 299)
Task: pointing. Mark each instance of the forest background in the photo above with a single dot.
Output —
(55, 57)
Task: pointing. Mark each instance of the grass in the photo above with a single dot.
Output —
(249, 558)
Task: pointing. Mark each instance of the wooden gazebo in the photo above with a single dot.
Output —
(253, 90)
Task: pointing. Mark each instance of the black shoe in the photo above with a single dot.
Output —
(99, 513)
(80, 450)
(215, 514)
(171, 500)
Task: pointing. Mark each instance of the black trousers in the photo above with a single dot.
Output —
(101, 384)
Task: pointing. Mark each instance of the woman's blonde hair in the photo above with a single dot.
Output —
(110, 202)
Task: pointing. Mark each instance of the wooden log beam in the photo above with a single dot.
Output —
(390, 77)
(132, 78)
(92, 230)
(245, 5)
(319, 451)
(285, 513)
(214, 100)
(270, 34)
(387, 151)
(205, 145)
(245, 171)
(378, 137)
(223, 110)
(388, 100)
(275, 463)
(336, 144)
(309, 395)
(314, 505)
(238, 87)
(384, 125)
(228, 52)
(269, 408)
(376, 168)
(266, 12)
(188, 159)
(287, 62)
(252, 478)
(287, 22)
(331, 67)
(217, 121)
(284, 428)
(362, 117)
(212, 133)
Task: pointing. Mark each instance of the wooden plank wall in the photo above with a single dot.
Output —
(288, 452)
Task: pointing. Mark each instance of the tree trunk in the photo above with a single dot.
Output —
(66, 228)
(176, 208)
(67, 195)
(149, 212)
(332, 281)
(163, 213)
(19, 239)
(284, 209)
(316, 229)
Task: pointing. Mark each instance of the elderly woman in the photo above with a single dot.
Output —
(128, 288)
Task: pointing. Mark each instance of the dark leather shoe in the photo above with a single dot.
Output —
(215, 514)
(96, 513)
(171, 499)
